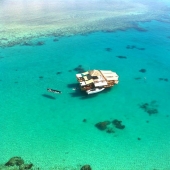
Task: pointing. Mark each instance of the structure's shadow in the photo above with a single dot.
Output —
(73, 85)
(48, 96)
(82, 94)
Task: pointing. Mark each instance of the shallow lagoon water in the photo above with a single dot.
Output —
(48, 129)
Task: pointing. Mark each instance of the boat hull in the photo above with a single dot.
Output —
(93, 91)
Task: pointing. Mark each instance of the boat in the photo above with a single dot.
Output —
(95, 90)
(95, 81)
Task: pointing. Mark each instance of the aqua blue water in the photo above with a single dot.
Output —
(48, 130)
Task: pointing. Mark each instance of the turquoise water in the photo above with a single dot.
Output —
(48, 130)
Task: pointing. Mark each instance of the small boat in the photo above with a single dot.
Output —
(54, 91)
(95, 90)
(95, 81)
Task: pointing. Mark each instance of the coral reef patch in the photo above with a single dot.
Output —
(108, 126)
(25, 166)
(118, 124)
(150, 108)
(27, 44)
(163, 79)
(15, 161)
(40, 43)
(86, 167)
(102, 125)
(19, 162)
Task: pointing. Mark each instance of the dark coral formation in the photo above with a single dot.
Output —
(86, 167)
(134, 47)
(25, 166)
(110, 130)
(142, 70)
(84, 120)
(108, 31)
(118, 124)
(109, 126)
(140, 29)
(130, 46)
(55, 39)
(79, 69)
(15, 161)
(152, 111)
(85, 34)
(163, 79)
(108, 49)
(27, 44)
(40, 43)
(150, 108)
(18, 161)
(59, 72)
(121, 57)
(102, 125)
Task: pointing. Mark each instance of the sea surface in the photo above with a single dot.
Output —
(57, 131)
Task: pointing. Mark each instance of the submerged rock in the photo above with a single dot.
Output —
(86, 167)
(15, 161)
